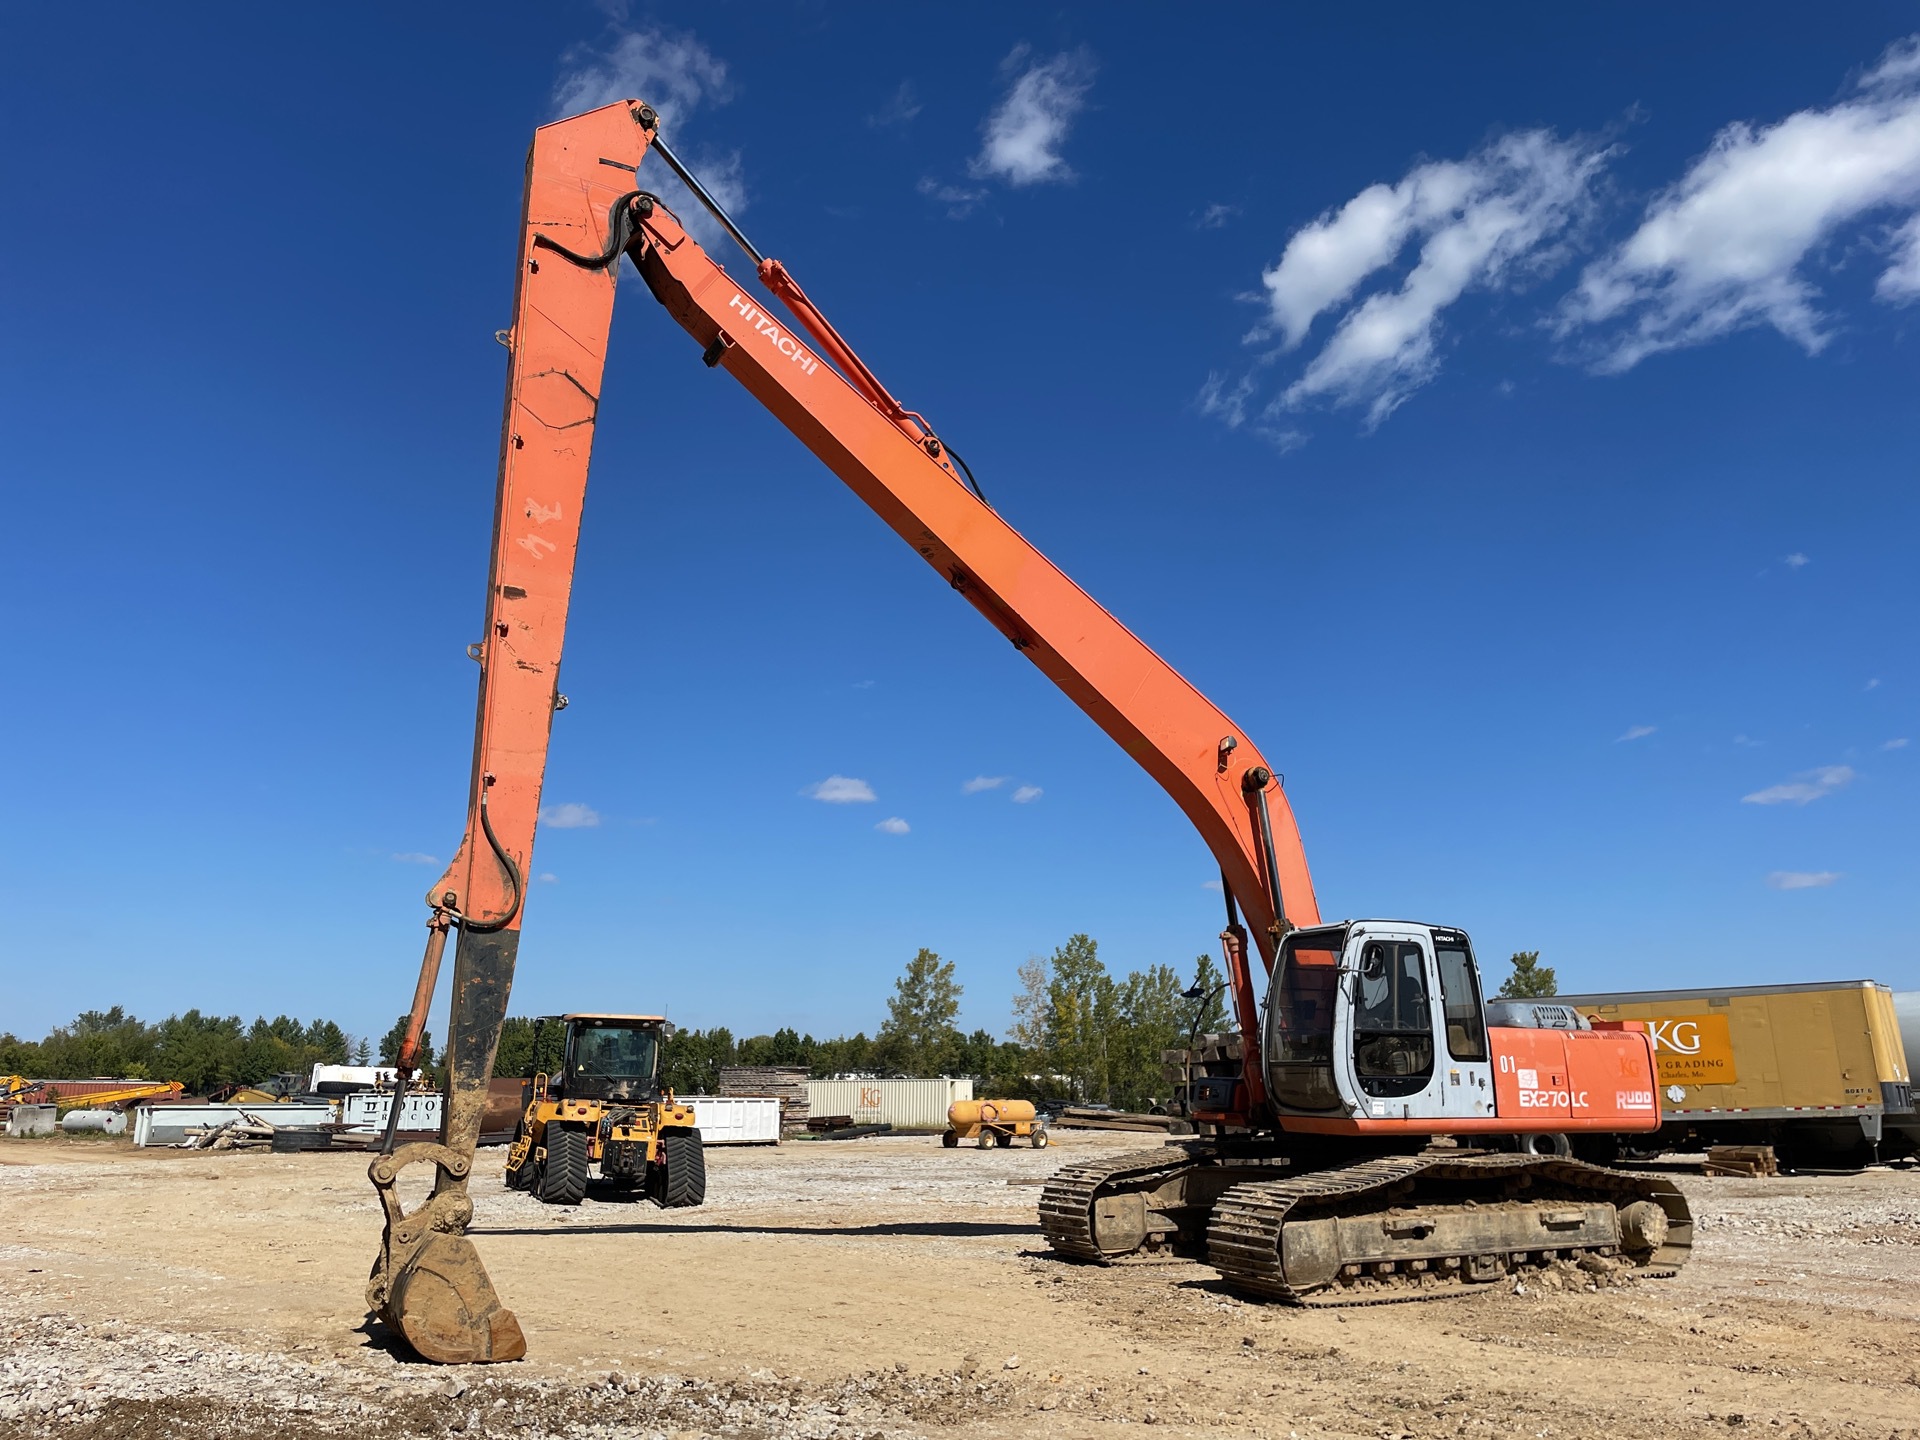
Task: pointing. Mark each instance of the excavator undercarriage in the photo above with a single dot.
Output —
(1311, 1225)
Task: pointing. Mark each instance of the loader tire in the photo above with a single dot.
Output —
(686, 1161)
(563, 1180)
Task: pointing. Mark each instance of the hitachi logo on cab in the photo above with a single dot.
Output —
(776, 337)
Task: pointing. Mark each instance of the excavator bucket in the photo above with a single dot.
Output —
(428, 1285)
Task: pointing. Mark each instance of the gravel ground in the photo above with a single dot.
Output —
(889, 1288)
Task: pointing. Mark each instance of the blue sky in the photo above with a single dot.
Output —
(1511, 422)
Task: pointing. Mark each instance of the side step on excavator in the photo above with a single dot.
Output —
(1383, 1140)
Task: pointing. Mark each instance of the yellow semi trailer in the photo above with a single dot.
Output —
(1817, 1071)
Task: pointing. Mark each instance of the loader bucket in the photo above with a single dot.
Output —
(428, 1285)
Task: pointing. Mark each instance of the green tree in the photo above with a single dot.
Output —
(918, 1035)
(1530, 979)
(1030, 1006)
(691, 1060)
(390, 1044)
(329, 1040)
(362, 1052)
(1081, 1009)
(1151, 1015)
(1211, 984)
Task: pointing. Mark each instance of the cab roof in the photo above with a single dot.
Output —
(624, 1019)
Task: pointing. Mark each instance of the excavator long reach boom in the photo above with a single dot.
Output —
(586, 205)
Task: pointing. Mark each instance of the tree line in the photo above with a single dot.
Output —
(200, 1051)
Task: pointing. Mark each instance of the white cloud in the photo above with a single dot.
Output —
(546, 877)
(1899, 744)
(1804, 788)
(1873, 684)
(1022, 135)
(1487, 222)
(893, 825)
(1635, 732)
(1748, 741)
(676, 74)
(863, 684)
(900, 107)
(1900, 281)
(841, 790)
(1213, 885)
(1802, 879)
(1793, 561)
(984, 782)
(959, 200)
(571, 816)
(416, 857)
(1727, 246)
(1027, 794)
(1215, 216)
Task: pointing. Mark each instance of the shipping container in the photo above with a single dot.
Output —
(903, 1104)
(1815, 1070)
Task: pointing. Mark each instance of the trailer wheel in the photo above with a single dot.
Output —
(686, 1162)
(1039, 1139)
(563, 1180)
(950, 1140)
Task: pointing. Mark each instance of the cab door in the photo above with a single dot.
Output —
(1388, 1047)
(1463, 1067)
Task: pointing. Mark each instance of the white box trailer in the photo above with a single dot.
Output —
(903, 1104)
(735, 1120)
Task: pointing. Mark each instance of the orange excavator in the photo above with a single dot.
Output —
(1389, 1136)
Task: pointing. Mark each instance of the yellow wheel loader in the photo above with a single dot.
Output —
(603, 1106)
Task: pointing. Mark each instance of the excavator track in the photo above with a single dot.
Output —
(1067, 1202)
(1426, 1226)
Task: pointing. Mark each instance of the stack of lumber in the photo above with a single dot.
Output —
(1215, 1054)
(785, 1083)
(829, 1122)
(1077, 1118)
(1746, 1160)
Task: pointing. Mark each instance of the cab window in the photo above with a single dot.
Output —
(1460, 997)
(1392, 1019)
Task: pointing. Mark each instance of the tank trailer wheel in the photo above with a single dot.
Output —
(563, 1181)
(950, 1140)
(686, 1162)
(1039, 1139)
(987, 1140)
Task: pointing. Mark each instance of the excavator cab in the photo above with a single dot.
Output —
(1381, 1019)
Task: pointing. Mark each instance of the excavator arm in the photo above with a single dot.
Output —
(586, 206)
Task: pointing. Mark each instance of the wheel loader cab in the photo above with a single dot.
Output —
(611, 1060)
(1378, 1019)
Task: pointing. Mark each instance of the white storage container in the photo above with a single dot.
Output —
(164, 1124)
(734, 1120)
(903, 1104)
(370, 1107)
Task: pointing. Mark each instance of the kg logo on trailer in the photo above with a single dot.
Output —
(1693, 1049)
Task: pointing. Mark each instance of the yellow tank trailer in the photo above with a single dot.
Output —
(1817, 1071)
(994, 1123)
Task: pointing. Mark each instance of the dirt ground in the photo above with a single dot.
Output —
(890, 1288)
